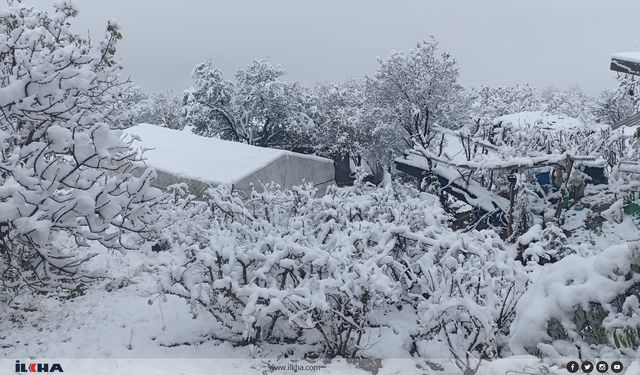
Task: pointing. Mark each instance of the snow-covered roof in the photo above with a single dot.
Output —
(546, 121)
(204, 159)
(627, 56)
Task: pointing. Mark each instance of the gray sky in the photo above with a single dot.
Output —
(541, 42)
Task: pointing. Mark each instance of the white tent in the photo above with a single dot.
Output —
(179, 156)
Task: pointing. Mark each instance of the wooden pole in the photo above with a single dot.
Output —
(512, 187)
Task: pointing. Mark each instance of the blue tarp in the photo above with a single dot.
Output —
(544, 179)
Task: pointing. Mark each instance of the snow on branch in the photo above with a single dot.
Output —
(64, 171)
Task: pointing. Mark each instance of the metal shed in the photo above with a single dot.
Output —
(200, 162)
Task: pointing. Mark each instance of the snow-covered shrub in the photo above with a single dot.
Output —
(542, 245)
(282, 263)
(613, 106)
(623, 327)
(182, 219)
(572, 102)
(64, 173)
(539, 133)
(287, 266)
(469, 289)
(286, 263)
(581, 307)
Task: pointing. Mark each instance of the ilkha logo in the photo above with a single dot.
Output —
(38, 367)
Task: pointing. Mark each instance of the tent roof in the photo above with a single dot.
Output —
(209, 160)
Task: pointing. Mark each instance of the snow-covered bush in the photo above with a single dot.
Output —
(615, 212)
(629, 90)
(285, 262)
(183, 220)
(542, 245)
(581, 307)
(613, 106)
(530, 203)
(537, 133)
(623, 327)
(287, 266)
(469, 287)
(64, 173)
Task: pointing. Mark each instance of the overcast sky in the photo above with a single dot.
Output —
(541, 42)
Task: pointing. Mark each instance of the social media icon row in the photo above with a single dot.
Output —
(588, 366)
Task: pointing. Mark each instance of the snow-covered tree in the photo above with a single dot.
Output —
(159, 108)
(629, 87)
(613, 106)
(64, 171)
(259, 108)
(337, 115)
(491, 102)
(415, 90)
(572, 102)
